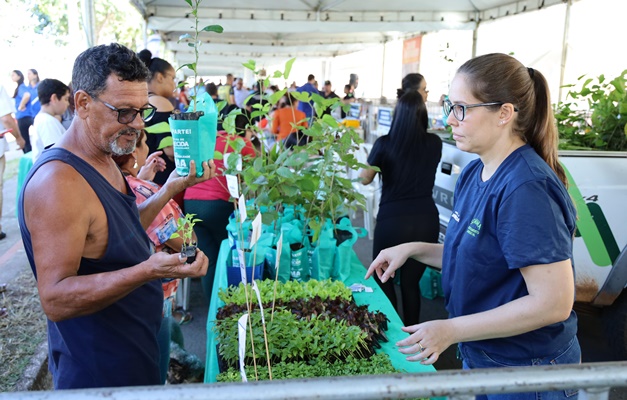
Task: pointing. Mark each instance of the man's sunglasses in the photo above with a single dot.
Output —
(127, 115)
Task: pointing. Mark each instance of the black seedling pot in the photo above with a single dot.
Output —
(189, 252)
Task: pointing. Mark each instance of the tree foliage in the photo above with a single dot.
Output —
(115, 22)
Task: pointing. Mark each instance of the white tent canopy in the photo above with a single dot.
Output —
(311, 29)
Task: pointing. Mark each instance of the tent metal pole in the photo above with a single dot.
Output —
(474, 38)
(89, 18)
(383, 67)
(475, 34)
(569, 3)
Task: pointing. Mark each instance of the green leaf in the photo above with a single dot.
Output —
(290, 190)
(191, 44)
(275, 97)
(213, 28)
(277, 74)
(189, 2)
(220, 105)
(288, 68)
(218, 155)
(297, 159)
(257, 113)
(239, 145)
(302, 96)
(330, 120)
(191, 66)
(251, 65)
(285, 173)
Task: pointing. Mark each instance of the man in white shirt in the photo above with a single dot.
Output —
(7, 126)
(54, 97)
(240, 93)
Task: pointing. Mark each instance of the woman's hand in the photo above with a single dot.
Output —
(427, 341)
(389, 260)
(154, 163)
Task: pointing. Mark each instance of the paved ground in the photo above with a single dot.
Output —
(13, 261)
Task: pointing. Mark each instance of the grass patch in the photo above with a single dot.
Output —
(22, 330)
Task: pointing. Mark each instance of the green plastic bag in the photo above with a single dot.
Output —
(431, 284)
(195, 139)
(239, 232)
(346, 235)
(299, 263)
(323, 258)
(292, 235)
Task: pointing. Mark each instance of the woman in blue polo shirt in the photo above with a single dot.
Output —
(506, 263)
(24, 114)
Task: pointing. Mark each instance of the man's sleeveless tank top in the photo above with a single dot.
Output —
(116, 346)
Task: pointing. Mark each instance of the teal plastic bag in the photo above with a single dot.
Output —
(346, 236)
(292, 235)
(299, 263)
(195, 139)
(238, 232)
(323, 258)
(431, 284)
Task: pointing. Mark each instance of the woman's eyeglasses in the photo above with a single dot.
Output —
(459, 110)
(127, 115)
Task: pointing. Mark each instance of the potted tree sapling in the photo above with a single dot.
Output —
(194, 131)
(185, 230)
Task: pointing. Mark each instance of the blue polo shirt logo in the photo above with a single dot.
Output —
(474, 227)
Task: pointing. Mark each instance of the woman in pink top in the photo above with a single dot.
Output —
(209, 200)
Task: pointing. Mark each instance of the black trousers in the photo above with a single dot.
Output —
(395, 230)
(24, 123)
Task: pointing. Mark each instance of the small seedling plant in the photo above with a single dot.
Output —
(185, 231)
(193, 41)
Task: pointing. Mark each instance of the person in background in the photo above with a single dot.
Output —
(33, 82)
(307, 107)
(414, 82)
(68, 115)
(349, 97)
(212, 90)
(161, 85)
(54, 97)
(225, 92)
(354, 82)
(408, 158)
(183, 98)
(210, 201)
(285, 119)
(328, 93)
(24, 113)
(8, 126)
(98, 283)
(506, 262)
(139, 169)
(200, 88)
(240, 93)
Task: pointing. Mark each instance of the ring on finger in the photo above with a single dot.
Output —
(421, 347)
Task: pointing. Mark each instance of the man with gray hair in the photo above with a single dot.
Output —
(85, 238)
(240, 93)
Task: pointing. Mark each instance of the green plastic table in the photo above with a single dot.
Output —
(375, 301)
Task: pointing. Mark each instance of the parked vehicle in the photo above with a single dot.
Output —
(598, 186)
